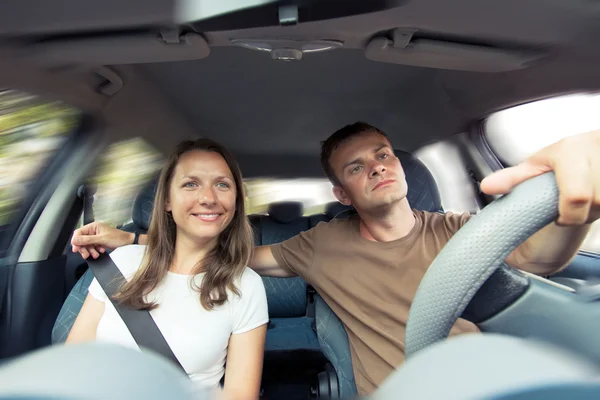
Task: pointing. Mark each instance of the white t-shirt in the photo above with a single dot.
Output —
(198, 338)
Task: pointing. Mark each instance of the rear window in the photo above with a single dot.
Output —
(448, 166)
(314, 194)
(518, 132)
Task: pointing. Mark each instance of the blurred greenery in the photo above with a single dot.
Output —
(31, 129)
(122, 172)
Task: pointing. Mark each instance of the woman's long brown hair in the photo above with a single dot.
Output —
(225, 261)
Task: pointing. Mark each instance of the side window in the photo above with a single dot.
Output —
(313, 193)
(516, 133)
(31, 130)
(449, 169)
(123, 170)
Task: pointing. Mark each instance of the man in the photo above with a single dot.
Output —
(368, 267)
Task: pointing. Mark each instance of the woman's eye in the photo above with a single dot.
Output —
(189, 184)
(223, 185)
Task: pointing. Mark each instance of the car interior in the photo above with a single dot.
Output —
(270, 80)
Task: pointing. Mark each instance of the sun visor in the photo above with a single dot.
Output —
(448, 55)
(120, 49)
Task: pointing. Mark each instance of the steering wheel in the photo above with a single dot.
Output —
(473, 254)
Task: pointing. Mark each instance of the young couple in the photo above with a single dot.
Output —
(367, 268)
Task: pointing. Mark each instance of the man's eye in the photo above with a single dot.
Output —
(355, 169)
(383, 156)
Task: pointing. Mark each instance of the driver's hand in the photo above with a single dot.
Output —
(95, 238)
(575, 161)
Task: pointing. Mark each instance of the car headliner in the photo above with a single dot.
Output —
(273, 114)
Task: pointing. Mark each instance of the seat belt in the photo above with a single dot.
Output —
(139, 322)
(310, 301)
(86, 194)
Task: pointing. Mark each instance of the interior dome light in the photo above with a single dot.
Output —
(287, 50)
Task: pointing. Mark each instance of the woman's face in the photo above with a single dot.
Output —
(202, 196)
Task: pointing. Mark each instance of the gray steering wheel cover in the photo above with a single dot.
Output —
(473, 254)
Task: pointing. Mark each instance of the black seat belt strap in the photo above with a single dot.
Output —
(310, 301)
(139, 322)
(86, 194)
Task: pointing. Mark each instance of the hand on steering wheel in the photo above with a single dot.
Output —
(473, 254)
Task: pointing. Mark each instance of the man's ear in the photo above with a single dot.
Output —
(341, 195)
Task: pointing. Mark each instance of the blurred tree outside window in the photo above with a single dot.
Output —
(31, 130)
(124, 169)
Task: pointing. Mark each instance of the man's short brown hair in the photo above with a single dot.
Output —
(329, 145)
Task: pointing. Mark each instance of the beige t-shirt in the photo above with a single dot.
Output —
(370, 285)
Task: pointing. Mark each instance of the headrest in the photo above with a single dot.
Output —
(285, 212)
(143, 205)
(423, 193)
(335, 208)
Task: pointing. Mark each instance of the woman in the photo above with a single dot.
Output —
(192, 275)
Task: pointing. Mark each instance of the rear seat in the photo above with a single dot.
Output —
(291, 319)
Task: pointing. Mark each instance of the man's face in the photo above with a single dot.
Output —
(370, 174)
